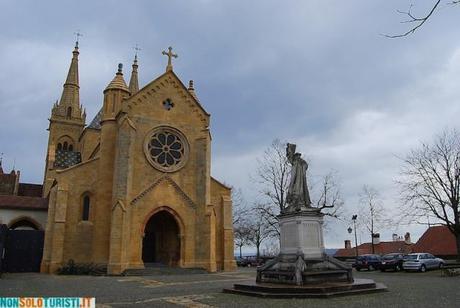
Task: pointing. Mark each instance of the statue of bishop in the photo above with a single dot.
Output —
(298, 197)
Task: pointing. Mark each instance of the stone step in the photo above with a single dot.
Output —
(379, 288)
(274, 291)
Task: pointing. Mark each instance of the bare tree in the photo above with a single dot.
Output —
(418, 21)
(241, 230)
(239, 205)
(329, 199)
(371, 213)
(430, 183)
(273, 174)
(259, 231)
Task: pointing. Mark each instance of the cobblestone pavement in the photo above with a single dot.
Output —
(429, 289)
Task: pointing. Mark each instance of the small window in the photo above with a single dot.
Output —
(70, 147)
(168, 104)
(59, 146)
(69, 112)
(86, 204)
(65, 146)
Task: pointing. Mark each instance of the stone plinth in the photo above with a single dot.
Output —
(302, 233)
(325, 290)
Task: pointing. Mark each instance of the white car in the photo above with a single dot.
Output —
(422, 262)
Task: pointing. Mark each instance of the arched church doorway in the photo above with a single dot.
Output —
(161, 242)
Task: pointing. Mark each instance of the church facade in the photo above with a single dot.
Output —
(134, 187)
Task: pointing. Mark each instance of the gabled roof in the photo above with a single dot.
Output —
(437, 240)
(23, 203)
(382, 248)
(183, 88)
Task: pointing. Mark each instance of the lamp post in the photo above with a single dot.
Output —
(353, 218)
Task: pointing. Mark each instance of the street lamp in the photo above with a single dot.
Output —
(353, 218)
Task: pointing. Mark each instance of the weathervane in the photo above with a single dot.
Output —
(170, 55)
(77, 37)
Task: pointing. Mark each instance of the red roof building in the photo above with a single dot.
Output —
(381, 248)
(21, 204)
(438, 241)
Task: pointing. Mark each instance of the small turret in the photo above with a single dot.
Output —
(114, 94)
(191, 90)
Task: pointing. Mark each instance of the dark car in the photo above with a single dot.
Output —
(369, 262)
(241, 261)
(249, 261)
(393, 261)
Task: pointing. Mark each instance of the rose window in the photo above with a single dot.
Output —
(166, 149)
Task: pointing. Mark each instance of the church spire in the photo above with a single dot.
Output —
(134, 82)
(69, 105)
(71, 93)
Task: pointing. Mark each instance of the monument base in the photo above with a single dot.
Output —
(302, 269)
(324, 290)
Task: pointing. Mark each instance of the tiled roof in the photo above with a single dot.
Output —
(96, 122)
(30, 190)
(23, 203)
(382, 248)
(438, 241)
(65, 159)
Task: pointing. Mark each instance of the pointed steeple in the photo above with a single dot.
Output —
(134, 82)
(69, 105)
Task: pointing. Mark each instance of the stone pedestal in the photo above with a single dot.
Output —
(302, 234)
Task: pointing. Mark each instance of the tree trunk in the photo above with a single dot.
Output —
(457, 240)
(372, 243)
(258, 251)
(241, 255)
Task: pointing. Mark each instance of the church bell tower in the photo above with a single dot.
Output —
(66, 124)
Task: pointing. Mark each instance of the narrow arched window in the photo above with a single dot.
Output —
(86, 205)
(65, 146)
(69, 112)
(70, 147)
(59, 146)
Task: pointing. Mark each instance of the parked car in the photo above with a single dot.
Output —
(422, 262)
(392, 261)
(240, 261)
(369, 262)
(248, 261)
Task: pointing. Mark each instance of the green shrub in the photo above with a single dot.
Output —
(72, 268)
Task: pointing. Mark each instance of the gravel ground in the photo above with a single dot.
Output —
(205, 290)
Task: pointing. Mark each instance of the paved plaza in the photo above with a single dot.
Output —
(429, 289)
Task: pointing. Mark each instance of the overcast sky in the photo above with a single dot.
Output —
(316, 73)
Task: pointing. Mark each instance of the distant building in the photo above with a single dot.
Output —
(380, 248)
(438, 241)
(21, 204)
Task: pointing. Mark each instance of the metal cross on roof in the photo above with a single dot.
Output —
(77, 37)
(170, 55)
(137, 49)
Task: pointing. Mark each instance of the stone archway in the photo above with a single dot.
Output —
(161, 242)
(24, 223)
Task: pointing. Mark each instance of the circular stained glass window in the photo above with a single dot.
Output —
(166, 149)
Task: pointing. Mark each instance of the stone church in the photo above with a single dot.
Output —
(134, 187)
